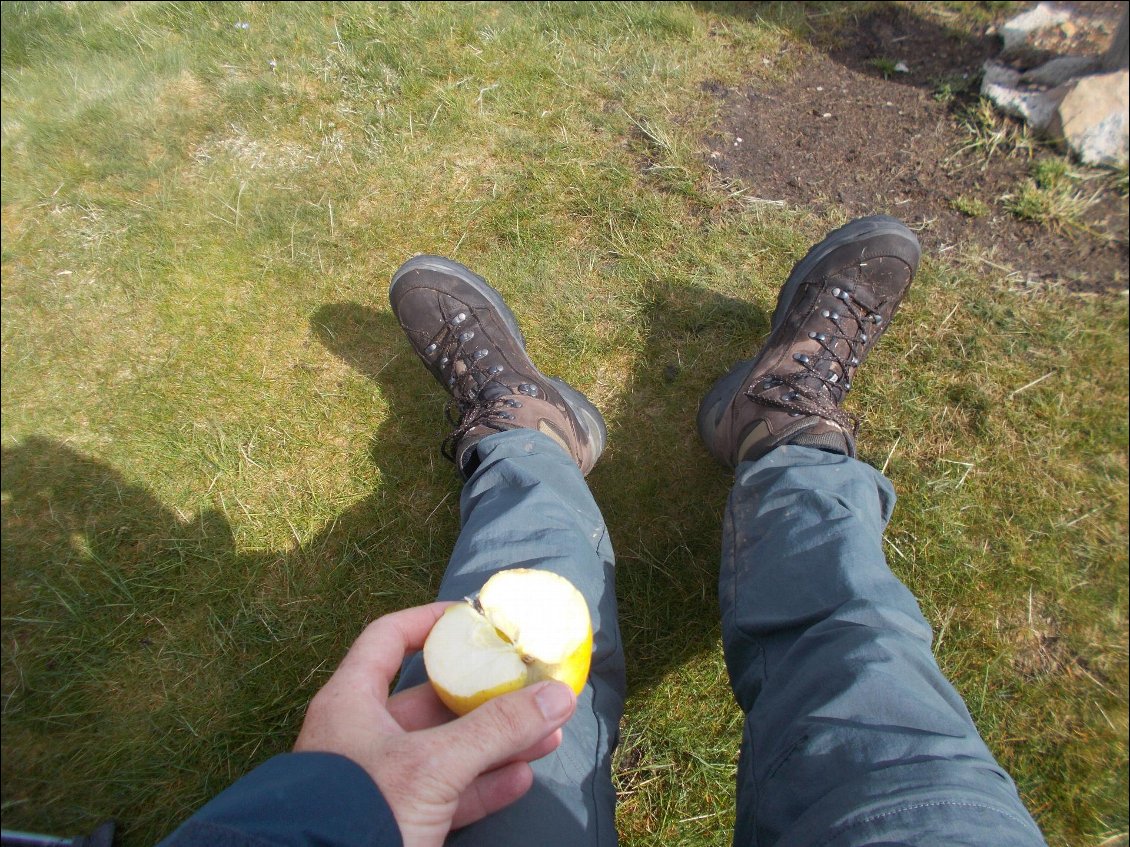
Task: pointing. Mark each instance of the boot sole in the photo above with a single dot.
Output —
(587, 415)
(721, 394)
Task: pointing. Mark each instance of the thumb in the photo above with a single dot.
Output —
(502, 728)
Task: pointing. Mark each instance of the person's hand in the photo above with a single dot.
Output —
(436, 772)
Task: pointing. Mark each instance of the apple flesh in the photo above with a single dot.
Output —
(523, 627)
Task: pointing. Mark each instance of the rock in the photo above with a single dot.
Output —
(1092, 114)
(1003, 86)
(1019, 30)
(1059, 70)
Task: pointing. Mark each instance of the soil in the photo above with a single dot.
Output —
(846, 130)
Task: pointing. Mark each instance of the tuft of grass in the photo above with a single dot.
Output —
(953, 87)
(1120, 178)
(971, 207)
(1050, 197)
(885, 67)
(990, 133)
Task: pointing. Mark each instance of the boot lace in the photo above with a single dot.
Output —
(468, 407)
(489, 413)
(818, 388)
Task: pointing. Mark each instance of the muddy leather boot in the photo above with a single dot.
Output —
(469, 340)
(831, 311)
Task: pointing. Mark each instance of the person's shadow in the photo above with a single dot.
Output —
(659, 491)
(115, 606)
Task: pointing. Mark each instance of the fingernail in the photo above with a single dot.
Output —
(554, 700)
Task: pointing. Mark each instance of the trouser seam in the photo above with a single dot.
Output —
(913, 806)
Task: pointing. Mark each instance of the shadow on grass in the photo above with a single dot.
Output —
(937, 46)
(128, 624)
(659, 491)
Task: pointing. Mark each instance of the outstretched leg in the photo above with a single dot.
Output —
(852, 734)
(523, 442)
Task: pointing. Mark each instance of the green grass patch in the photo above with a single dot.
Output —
(1052, 197)
(971, 207)
(220, 459)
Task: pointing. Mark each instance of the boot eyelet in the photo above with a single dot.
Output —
(464, 337)
(801, 357)
(444, 361)
(496, 369)
(479, 354)
(431, 348)
(824, 313)
(458, 319)
(836, 292)
(863, 337)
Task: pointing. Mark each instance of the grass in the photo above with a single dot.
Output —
(886, 68)
(970, 206)
(1051, 197)
(220, 461)
(990, 134)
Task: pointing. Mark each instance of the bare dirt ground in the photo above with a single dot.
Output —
(847, 130)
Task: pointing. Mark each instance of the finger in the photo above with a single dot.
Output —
(382, 646)
(542, 748)
(418, 708)
(492, 791)
(499, 730)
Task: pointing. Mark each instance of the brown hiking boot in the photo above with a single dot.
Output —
(830, 313)
(466, 336)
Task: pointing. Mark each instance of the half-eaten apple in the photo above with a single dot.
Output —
(524, 626)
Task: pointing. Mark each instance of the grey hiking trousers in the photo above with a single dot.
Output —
(852, 735)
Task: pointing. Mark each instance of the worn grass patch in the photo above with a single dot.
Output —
(220, 458)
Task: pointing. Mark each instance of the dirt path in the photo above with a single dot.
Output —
(848, 130)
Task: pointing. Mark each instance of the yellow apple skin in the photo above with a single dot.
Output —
(574, 671)
(462, 705)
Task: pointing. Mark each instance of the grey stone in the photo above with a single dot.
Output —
(1017, 31)
(1003, 86)
(1092, 114)
(1060, 69)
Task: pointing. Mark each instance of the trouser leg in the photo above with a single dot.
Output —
(527, 505)
(852, 734)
